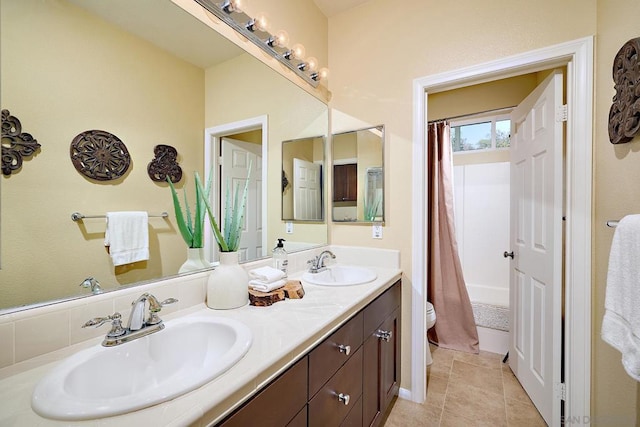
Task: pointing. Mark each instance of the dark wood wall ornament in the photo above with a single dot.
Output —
(16, 145)
(99, 155)
(164, 164)
(624, 115)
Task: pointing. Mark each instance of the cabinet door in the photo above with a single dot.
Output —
(381, 356)
(345, 182)
(390, 360)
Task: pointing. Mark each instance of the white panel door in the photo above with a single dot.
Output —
(307, 200)
(235, 159)
(536, 239)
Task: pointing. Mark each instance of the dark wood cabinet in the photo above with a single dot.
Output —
(345, 183)
(349, 379)
(381, 364)
(281, 403)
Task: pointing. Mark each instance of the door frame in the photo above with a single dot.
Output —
(577, 56)
(212, 136)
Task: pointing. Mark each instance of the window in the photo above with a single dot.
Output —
(480, 133)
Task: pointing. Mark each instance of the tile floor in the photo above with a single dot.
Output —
(468, 390)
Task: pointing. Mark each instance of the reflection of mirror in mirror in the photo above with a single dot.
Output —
(358, 175)
(142, 79)
(303, 179)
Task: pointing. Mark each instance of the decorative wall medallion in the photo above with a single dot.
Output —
(285, 181)
(624, 115)
(99, 155)
(16, 145)
(165, 164)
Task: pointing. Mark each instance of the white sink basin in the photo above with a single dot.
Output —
(101, 381)
(341, 275)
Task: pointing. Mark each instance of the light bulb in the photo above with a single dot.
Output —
(230, 6)
(321, 74)
(298, 51)
(312, 63)
(280, 39)
(259, 23)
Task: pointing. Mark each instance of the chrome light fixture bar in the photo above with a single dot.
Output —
(246, 25)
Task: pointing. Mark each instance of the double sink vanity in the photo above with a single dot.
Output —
(330, 358)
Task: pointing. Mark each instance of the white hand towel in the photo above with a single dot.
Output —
(261, 286)
(266, 274)
(127, 236)
(621, 323)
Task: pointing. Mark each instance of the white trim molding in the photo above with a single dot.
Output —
(577, 56)
(211, 138)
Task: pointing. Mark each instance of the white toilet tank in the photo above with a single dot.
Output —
(431, 315)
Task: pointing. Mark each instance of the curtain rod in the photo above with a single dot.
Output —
(462, 116)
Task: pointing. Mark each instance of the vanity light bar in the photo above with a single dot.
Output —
(245, 25)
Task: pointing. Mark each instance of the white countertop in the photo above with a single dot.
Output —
(282, 333)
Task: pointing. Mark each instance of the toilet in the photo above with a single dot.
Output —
(431, 315)
(431, 320)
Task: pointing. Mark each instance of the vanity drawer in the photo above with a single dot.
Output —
(278, 403)
(333, 352)
(381, 308)
(325, 408)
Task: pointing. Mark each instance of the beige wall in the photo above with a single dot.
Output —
(60, 84)
(616, 194)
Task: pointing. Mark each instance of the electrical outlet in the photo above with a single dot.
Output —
(288, 226)
(376, 231)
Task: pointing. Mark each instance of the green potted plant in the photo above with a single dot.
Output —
(227, 286)
(191, 227)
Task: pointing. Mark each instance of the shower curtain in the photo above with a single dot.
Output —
(455, 326)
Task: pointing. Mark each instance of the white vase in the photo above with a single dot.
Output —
(195, 261)
(228, 284)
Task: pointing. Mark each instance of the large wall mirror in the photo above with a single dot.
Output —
(149, 73)
(358, 175)
(303, 171)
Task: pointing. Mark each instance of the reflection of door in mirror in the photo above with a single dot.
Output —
(236, 156)
(302, 165)
(307, 191)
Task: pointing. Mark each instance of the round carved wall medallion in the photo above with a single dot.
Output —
(99, 155)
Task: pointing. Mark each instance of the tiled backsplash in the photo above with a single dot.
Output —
(37, 331)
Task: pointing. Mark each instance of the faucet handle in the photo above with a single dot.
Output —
(116, 324)
(155, 307)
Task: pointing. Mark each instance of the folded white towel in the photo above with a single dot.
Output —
(261, 286)
(127, 236)
(266, 274)
(621, 323)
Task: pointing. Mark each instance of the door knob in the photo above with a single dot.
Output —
(508, 254)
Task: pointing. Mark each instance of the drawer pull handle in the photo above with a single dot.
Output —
(384, 335)
(346, 349)
(344, 398)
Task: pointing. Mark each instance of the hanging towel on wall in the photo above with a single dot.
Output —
(621, 323)
(127, 236)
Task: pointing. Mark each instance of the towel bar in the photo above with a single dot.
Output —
(77, 216)
(613, 223)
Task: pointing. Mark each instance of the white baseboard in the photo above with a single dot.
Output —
(404, 393)
(493, 340)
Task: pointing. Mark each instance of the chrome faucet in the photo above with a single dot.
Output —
(142, 321)
(316, 264)
(93, 284)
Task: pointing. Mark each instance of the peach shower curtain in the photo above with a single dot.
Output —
(455, 326)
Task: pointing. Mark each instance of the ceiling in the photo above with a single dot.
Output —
(334, 7)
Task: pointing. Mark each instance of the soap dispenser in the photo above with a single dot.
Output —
(280, 258)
